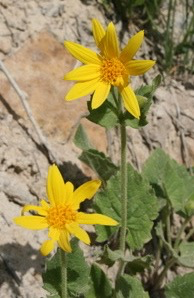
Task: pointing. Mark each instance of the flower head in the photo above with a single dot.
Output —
(111, 67)
(61, 214)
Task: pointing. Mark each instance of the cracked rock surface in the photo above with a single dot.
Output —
(31, 46)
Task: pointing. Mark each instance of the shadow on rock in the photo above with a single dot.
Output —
(72, 173)
(15, 262)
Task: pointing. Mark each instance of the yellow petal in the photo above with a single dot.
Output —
(54, 233)
(82, 89)
(49, 187)
(95, 219)
(69, 188)
(100, 94)
(39, 209)
(98, 33)
(47, 247)
(84, 73)
(44, 205)
(139, 67)
(81, 53)
(85, 191)
(31, 222)
(64, 241)
(130, 101)
(111, 45)
(74, 229)
(132, 47)
(69, 191)
(55, 186)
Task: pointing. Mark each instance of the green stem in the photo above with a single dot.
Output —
(162, 275)
(191, 232)
(63, 260)
(181, 230)
(121, 269)
(158, 256)
(123, 186)
(168, 229)
(116, 100)
(123, 168)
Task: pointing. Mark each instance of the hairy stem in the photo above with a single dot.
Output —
(162, 275)
(63, 260)
(123, 168)
(168, 228)
(191, 232)
(123, 186)
(158, 256)
(181, 230)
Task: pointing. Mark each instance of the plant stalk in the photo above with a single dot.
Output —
(191, 232)
(123, 168)
(179, 234)
(162, 275)
(168, 228)
(63, 260)
(123, 186)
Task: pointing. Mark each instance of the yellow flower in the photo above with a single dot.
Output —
(111, 67)
(60, 216)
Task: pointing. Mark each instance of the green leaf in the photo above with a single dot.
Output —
(111, 256)
(141, 210)
(52, 276)
(103, 232)
(170, 180)
(138, 2)
(156, 82)
(141, 100)
(77, 272)
(105, 115)
(148, 90)
(155, 166)
(144, 104)
(187, 254)
(160, 234)
(98, 161)
(134, 122)
(139, 264)
(81, 139)
(114, 255)
(130, 287)
(135, 264)
(181, 287)
(189, 206)
(144, 96)
(99, 283)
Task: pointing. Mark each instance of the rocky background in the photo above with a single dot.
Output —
(31, 48)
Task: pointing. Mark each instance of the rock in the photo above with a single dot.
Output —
(15, 18)
(4, 31)
(15, 189)
(53, 10)
(19, 249)
(5, 45)
(39, 68)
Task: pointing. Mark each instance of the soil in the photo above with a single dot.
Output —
(31, 47)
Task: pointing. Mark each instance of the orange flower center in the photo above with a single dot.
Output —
(60, 215)
(113, 71)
